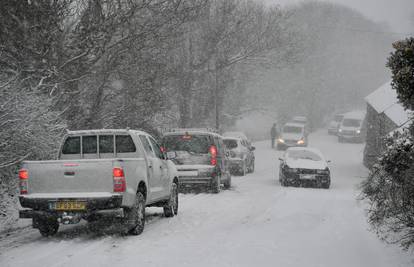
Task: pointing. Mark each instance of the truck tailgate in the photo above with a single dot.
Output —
(70, 176)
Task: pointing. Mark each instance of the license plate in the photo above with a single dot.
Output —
(307, 176)
(67, 205)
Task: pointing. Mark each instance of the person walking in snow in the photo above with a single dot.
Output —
(273, 134)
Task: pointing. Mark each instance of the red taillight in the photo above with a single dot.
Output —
(23, 181)
(213, 153)
(119, 180)
(163, 150)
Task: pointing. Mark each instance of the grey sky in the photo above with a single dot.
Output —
(399, 14)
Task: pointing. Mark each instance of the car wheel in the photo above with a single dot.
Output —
(135, 216)
(227, 183)
(215, 185)
(171, 208)
(252, 167)
(243, 171)
(47, 226)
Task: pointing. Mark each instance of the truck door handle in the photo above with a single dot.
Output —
(150, 166)
(161, 167)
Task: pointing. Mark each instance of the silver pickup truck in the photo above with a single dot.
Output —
(99, 175)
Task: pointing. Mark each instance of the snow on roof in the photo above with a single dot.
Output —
(240, 135)
(384, 100)
(101, 131)
(358, 114)
(295, 124)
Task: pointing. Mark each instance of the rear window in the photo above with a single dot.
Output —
(71, 145)
(89, 145)
(351, 122)
(292, 129)
(198, 144)
(106, 144)
(230, 143)
(124, 144)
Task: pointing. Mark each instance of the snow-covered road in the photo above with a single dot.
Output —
(257, 223)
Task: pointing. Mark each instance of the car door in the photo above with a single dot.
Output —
(154, 169)
(162, 165)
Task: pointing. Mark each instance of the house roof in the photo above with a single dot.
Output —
(384, 100)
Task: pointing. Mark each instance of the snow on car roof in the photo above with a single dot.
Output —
(355, 115)
(300, 118)
(311, 149)
(231, 138)
(235, 134)
(101, 131)
(184, 131)
(295, 124)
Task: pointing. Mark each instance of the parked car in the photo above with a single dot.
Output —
(99, 174)
(241, 156)
(351, 128)
(292, 134)
(200, 158)
(334, 124)
(304, 166)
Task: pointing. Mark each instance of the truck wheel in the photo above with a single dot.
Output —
(135, 216)
(252, 167)
(227, 183)
(47, 226)
(215, 185)
(171, 208)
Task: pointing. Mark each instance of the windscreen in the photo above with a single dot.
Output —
(292, 129)
(198, 144)
(230, 143)
(351, 123)
(304, 154)
(338, 118)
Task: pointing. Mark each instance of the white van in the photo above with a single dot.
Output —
(351, 129)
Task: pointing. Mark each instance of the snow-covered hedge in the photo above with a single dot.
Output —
(390, 191)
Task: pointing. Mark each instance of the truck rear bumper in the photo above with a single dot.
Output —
(93, 204)
(29, 213)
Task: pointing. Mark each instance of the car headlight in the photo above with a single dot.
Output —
(340, 130)
(301, 142)
(358, 131)
(280, 140)
(232, 154)
(326, 171)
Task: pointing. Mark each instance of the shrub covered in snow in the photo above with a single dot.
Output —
(390, 190)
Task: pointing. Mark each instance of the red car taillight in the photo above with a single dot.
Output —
(119, 180)
(213, 153)
(23, 181)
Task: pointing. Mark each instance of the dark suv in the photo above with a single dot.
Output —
(200, 157)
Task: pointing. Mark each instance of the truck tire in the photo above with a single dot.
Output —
(215, 185)
(171, 208)
(135, 216)
(47, 226)
(227, 183)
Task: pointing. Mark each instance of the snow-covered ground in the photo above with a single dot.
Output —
(257, 223)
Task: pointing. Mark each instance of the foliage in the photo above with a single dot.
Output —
(390, 191)
(401, 63)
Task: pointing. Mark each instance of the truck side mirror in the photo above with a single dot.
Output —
(252, 148)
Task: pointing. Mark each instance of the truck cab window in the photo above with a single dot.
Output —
(71, 145)
(89, 144)
(146, 145)
(157, 149)
(124, 144)
(106, 144)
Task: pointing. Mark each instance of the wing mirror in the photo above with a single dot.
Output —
(171, 155)
(252, 148)
(328, 161)
(280, 159)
